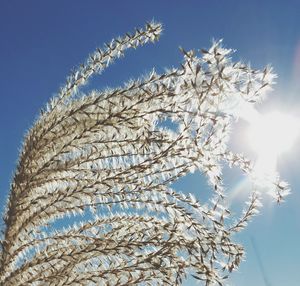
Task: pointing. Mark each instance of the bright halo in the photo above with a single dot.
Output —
(269, 135)
(273, 133)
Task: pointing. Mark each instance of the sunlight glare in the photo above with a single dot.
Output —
(272, 134)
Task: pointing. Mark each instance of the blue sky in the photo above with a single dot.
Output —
(41, 41)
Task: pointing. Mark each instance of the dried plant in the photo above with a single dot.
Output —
(102, 164)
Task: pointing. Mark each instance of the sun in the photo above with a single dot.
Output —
(273, 133)
(270, 135)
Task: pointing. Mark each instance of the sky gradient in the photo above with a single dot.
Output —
(40, 42)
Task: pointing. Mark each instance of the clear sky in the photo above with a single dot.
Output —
(41, 41)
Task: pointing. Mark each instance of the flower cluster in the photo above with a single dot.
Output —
(102, 164)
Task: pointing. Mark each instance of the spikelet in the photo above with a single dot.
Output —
(102, 165)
